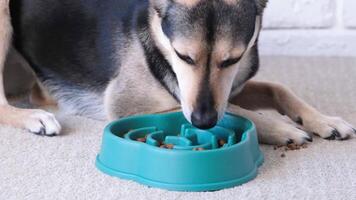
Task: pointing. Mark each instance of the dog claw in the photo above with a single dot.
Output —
(290, 141)
(346, 138)
(336, 133)
(41, 132)
(309, 139)
(332, 136)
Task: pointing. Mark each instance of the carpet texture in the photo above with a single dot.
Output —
(33, 167)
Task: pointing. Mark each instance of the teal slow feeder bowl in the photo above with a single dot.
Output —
(182, 168)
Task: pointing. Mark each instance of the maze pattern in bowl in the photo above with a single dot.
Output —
(181, 168)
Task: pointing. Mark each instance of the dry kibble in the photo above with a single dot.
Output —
(295, 147)
(141, 139)
(291, 146)
(221, 142)
(167, 146)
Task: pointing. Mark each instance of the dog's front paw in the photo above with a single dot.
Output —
(35, 121)
(278, 132)
(330, 128)
(41, 122)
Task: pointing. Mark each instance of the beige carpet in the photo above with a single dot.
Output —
(33, 167)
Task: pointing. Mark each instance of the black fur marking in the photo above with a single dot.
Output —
(211, 26)
(73, 43)
(158, 64)
(65, 41)
(299, 121)
(261, 5)
(255, 62)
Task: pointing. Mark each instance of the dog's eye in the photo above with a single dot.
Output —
(185, 58)
(227, 63)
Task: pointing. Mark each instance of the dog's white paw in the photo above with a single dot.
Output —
(280, 133)
(41, 123)
(330, 128)
(36, 121)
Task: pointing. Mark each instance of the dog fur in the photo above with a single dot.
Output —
(151, 59)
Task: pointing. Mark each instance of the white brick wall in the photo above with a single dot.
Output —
(350, 13)
(309, 28)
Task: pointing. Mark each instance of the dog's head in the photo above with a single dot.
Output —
(204, 40)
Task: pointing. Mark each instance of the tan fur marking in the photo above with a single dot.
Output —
(221, 81)
(231, 2)
(190, 76)
(225, 50)
(271, 95)
(189, 3)
(40, 96)
(190, 47)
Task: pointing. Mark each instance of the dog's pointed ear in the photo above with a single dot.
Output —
(261, 5)
(160, 6)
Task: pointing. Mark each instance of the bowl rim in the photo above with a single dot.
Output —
(245, 136)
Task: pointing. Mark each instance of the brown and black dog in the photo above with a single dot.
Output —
(113, 58)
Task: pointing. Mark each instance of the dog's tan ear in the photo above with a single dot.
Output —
(160, 6)
(261, 5)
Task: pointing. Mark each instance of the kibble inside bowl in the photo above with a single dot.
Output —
(195, 160)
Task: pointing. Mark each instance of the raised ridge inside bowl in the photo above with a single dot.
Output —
(195, 161)
(189, 138)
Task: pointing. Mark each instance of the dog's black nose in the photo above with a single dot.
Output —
(204, 119)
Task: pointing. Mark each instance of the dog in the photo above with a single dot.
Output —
(113, 58)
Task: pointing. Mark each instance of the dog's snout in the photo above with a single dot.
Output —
(204, 119)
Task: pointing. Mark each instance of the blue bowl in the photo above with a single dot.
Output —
(197, 160)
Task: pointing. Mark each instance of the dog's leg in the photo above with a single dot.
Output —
(272, 130)
(40, 97)
(271, 95)
(5, 39)
(36, 121)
